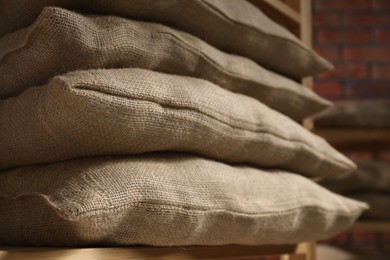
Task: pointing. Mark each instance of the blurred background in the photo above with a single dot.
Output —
(355, 36)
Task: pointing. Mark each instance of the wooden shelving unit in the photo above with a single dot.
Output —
(285, 13)
(295, 15)
(285, 252)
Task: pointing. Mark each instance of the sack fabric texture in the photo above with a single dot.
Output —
(158, 89)
(233, 26)
(165, 200)
(129, 111)
(356, 114)
(110, 42)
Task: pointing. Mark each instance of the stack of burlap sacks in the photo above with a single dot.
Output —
(165, 123)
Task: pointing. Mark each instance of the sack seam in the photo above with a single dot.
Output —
(102, 211)
(264, 131)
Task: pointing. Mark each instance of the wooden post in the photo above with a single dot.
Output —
(306, 37)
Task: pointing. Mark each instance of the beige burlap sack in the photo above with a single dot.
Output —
(165, 200)
(356, 114)
(370, 176)
(61, 41)
(128, 111)
(233, 26)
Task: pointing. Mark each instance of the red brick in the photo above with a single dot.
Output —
(367, 19)
(326, 19)
(363, 236)
(381, 72)
(337, 239)
(367, 53)
(381, 5)
(331, 89)
(347, 71)
(339, 36)
(342, 4)
(369, 90)
(385, 156)
(359, 155)
(383, 35)
(330, 53)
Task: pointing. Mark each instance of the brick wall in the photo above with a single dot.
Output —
(355, 36)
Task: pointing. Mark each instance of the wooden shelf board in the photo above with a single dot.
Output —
(283, 9)
(281, 13)
(196, 252)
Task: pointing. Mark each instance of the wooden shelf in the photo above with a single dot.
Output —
(373, 139)
(281, 8)
(300, 251)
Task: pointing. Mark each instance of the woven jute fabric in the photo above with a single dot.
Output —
(370, 176)
(165, 200)
(61, 41)
(128, 111)
(356, 114)
(233, 26)
(378, 203)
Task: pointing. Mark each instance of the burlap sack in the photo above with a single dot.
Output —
(370, 176)
(233, 26)
(379, 204)
(356, 114)
(61, 41)
(127, 111)
(165, 200)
